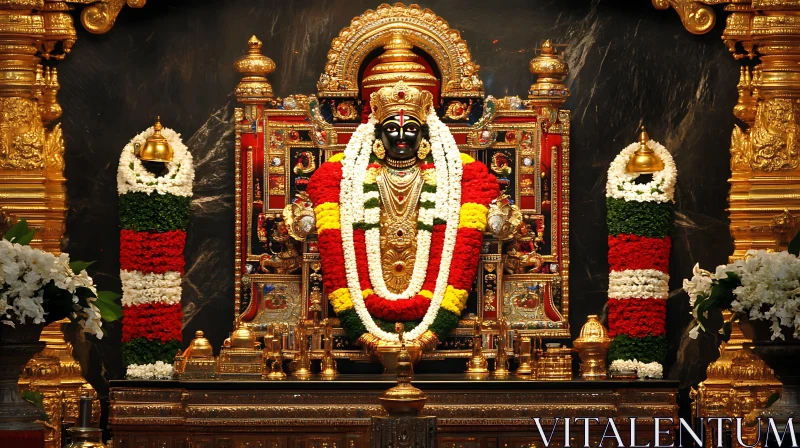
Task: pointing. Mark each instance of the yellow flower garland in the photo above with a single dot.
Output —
(327, 216)
(340, 300)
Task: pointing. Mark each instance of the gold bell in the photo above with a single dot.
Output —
(644, 160)
(156, 148)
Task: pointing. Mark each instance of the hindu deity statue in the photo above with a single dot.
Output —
(400, 217)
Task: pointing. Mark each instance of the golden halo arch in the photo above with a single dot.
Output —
(422, 27)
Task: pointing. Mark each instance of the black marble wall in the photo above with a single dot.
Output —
(629, 64)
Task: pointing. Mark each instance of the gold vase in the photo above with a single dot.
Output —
(592, 346)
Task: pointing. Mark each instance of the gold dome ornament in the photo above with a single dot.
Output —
(242, 337)
(644, 160)
(592, 346)
(398, 63)
(156, 148)
(199, 347)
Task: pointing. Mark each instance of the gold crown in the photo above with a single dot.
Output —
(388, 101)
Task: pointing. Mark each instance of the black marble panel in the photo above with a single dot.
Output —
(629, 64)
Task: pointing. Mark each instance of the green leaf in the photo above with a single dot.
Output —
(57, 302)
(108, 304)
(25, 239)
(794, 245)
(17, 230)
(79, 266)
(36, 398)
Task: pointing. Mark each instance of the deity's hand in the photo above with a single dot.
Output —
(504, 218)
(298, 216)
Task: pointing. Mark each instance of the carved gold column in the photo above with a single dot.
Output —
(32, 164)
(765, 165)
(31, 159)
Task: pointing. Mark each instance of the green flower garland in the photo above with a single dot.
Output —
(142, 351)
(649, 219)
(144, 212)
(646, 349)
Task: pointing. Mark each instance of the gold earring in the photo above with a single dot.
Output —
(378, 149)
(424, 149)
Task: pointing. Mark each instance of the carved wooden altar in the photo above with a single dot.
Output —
(317, 413)
(525, 142)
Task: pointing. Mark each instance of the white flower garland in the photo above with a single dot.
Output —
(156, 371)
(643, 370)
(621, 184)
(132, 177)
(138, 288)
(24, 271)
(638, 283)
(447, 159)
(770, 290)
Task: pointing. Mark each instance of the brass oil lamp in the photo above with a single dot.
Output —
(404, 398)
(592, 346)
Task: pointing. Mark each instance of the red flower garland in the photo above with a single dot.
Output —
(152, 321)
(478, 186)
(360, 245)
(637, 318)
(334, 275)
(397, 310)
(468, 248)
(325, 183)
(435, 257)
(152, 252)
(626, 251)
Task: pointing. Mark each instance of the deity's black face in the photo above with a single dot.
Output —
(401, 136)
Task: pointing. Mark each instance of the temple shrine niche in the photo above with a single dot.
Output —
(523, 269)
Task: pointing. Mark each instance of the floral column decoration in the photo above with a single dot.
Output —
(639, 221)
(153, 212)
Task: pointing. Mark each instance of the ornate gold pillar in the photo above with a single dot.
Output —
(31, 143)
(32, 164)
(764, 199)
(31, 158)
(765, 148)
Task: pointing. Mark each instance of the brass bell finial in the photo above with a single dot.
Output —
(156, 148)
(644, 160)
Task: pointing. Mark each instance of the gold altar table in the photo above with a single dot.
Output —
(317, 413)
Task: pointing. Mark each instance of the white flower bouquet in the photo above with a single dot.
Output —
(764, 286)
(37, 287)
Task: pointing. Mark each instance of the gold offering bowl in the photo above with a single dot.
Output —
(403, 399)
(387, 354)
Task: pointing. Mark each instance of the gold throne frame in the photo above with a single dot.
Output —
(297, 123)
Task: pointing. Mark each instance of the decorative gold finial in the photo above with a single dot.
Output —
(550, 69)
(592, 346)
(644, 160)
(403, 399)
(48, 106)
(477, 366)
(156, 148)
(501, 359)
(398, 63)
(199, 347)
(254, 88)
(388, 102)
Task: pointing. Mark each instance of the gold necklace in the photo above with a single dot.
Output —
(401, 163)
(400, 191)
